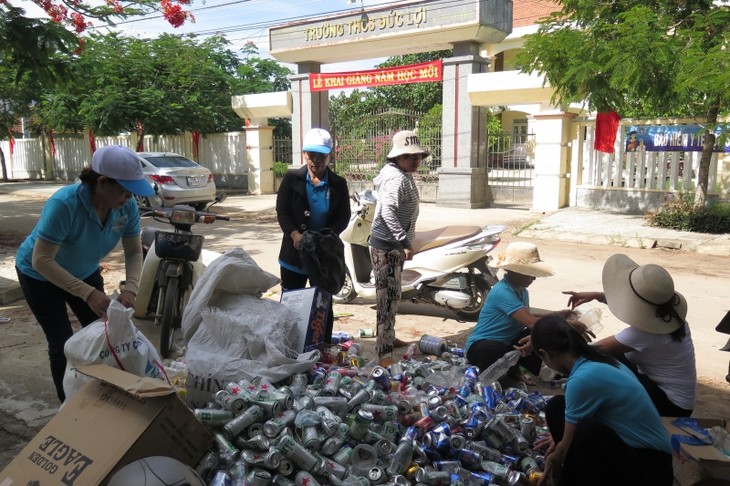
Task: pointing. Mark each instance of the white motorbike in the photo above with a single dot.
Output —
(449, 267)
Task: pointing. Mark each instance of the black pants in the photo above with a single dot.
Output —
(48, 304)
(485, 352)
(293, 281)
(597, 455)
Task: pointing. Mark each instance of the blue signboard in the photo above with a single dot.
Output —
(668, 138)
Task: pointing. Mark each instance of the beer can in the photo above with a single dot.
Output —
(282, 480)
(285, 467)
(376, 475)
(366, 333)
(446, 465)
(259, 477)
(528, 429)
(432, 345)
(303, 478)
(213, 417)
(297, 453)
(252, 414)
(331, 384)
(221, 478)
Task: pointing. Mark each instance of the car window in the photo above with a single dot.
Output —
(167, 162)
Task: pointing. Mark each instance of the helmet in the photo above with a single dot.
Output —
(156, 471)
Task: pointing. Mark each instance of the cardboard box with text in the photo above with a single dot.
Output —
(113, 420)
(699, 465)
(312, 307)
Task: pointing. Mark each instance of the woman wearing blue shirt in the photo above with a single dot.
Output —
(605, 430)
(58, 263)
(505, 320)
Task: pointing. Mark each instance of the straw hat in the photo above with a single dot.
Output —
(522, 257)
(406, 142)
(636, 294)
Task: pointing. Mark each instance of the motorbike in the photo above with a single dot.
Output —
(171, 266)
(449, 266)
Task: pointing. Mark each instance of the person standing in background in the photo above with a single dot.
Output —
(393, 232)
(59, 262)
(310, 198)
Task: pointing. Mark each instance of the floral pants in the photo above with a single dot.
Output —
(387, 268)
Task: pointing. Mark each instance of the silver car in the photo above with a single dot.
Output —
(177, 180)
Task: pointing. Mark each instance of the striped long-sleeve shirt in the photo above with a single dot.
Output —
(394, 225)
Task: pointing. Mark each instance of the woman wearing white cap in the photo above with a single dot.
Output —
(657, 345)
(59, 262)
(312, 198)
(393, 231)
(506, 319)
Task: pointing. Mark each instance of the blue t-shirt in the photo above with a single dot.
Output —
(69, 220)
(495, 320)
(614, 396)
(319, 206)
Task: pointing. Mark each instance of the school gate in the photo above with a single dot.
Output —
(388, 30)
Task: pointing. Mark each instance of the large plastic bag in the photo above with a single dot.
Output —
(230, 275)
(114, 341)
(247, 338)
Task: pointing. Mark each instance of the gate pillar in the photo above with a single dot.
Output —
(463, 172)
(551, 189)
(311, 109)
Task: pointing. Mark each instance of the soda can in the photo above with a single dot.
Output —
(259, 477)
(457, 351)
(275, 425)
(534, 477)
(317, 376)
(431, 345)
(469, 459)
(297, 453)
(527, 463)
(213, 417)
(221, 478)
(482, 477)
(252, 414)
(528, 429)
(381, 377)
(376, 475)
(446, 465)
(487, 453)
(331, 384)
(457, 441)
(303, 478)
(366, 333)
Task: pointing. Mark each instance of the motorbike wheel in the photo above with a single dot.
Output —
(170, 317)
(347, 292)
(481, 288)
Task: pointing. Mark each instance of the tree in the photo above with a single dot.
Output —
(639, 58)
(162, 86)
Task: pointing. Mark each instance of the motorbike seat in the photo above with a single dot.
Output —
(426, 240)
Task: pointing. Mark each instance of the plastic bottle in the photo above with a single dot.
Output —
(591, 317)
(499, 368)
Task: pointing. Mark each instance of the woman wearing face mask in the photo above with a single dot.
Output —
(59, 262)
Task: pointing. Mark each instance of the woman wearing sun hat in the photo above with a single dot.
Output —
(59, 262)
(393, 231)
(657, 344)
(506, 319)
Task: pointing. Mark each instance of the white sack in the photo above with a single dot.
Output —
(114, 341)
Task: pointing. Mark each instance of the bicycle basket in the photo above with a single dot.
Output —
(178, 246)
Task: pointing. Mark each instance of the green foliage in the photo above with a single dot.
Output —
(280, 169)
(682, 213)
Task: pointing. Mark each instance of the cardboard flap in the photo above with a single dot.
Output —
(700, 452)
(139, 387)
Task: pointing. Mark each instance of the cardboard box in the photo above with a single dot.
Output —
(699, 465)
(312, 307)
(113, 420)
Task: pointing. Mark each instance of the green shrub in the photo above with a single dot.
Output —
(681, 213)
(280, 169)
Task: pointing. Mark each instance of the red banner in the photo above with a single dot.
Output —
(424, 72)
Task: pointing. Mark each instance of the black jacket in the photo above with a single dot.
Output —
(292, 209)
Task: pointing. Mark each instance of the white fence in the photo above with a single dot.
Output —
(223, 153)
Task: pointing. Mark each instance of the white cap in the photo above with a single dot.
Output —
(122, 165)
(317, 140)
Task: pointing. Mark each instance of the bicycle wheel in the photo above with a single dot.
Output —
(170, 318)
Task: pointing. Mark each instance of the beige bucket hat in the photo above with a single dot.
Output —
(522, 257)
(406, 142)
(643, 296)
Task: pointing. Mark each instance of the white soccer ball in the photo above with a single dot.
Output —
(156, 471)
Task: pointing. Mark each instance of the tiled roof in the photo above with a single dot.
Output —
(528, 12)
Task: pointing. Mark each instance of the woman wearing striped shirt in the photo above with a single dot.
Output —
(393, 232)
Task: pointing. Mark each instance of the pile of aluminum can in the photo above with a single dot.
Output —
(348, 422)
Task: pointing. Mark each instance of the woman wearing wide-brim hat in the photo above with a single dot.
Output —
(657, 344)
(506, 319)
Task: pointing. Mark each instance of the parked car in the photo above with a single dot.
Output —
(514, 158)
(177, 180)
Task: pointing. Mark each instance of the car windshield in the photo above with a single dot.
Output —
(170, 161)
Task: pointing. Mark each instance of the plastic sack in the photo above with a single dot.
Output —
(230, 275)
(246, 338)
(114, 341)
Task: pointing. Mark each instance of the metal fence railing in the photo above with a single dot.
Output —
(510, 159)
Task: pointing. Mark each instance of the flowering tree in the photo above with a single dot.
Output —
(76, 13)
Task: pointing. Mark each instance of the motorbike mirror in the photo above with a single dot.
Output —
(220, 197)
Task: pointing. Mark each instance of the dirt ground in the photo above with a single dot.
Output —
(26, 390)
